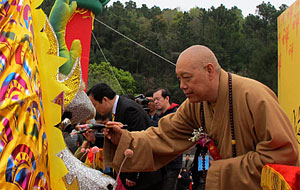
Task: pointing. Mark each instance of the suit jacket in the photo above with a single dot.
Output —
(130, 113)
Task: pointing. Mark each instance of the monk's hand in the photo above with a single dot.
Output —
(113, 131)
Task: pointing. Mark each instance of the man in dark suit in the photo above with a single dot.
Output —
(127, 112)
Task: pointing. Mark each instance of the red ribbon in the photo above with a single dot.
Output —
(213, 151)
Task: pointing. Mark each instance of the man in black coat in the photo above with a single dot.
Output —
(127, 112)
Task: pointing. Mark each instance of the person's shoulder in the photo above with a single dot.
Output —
(126, 101)
(186, 104)
(250, 85)
(252, 90)
(245, 81)
(173, 107)
(130, 105)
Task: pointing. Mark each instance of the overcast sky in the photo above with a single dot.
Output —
(247, 6)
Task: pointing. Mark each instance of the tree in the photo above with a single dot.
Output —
(260, 35)
(119, 80)
(247, 46)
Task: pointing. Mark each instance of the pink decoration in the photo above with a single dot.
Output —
(95, 149)
(82, 150)
(203, 139)
(128, 153)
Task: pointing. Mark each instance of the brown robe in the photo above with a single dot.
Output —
(263, 133)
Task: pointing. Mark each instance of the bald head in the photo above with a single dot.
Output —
(199, 72)
(199, 56)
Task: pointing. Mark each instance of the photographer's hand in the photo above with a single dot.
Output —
(113, 131)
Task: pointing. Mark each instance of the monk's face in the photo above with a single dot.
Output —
(194, 79)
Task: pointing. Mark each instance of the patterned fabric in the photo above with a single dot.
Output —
(85, 19)
(25, 109)
(32, 151)
(280, 177)
(75, 99)
(23, 148)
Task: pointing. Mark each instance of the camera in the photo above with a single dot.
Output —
(141, 99)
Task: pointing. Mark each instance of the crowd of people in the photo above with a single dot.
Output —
(138, 113)
(238, 118)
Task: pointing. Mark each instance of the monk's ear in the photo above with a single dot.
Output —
(210, 70)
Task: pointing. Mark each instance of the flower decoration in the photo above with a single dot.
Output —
(128, 153)
(200, 137)
(95, 149)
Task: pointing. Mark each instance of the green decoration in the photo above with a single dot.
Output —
(95, 6)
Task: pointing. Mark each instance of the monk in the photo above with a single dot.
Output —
(240, 115)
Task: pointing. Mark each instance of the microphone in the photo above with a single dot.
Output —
(95, 126)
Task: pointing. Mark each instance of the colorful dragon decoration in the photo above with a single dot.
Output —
(33, 94)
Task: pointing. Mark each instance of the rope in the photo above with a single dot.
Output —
(135, 42)
(107, 62)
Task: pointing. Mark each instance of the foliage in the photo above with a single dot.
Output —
(121, 81)
(243, 45)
